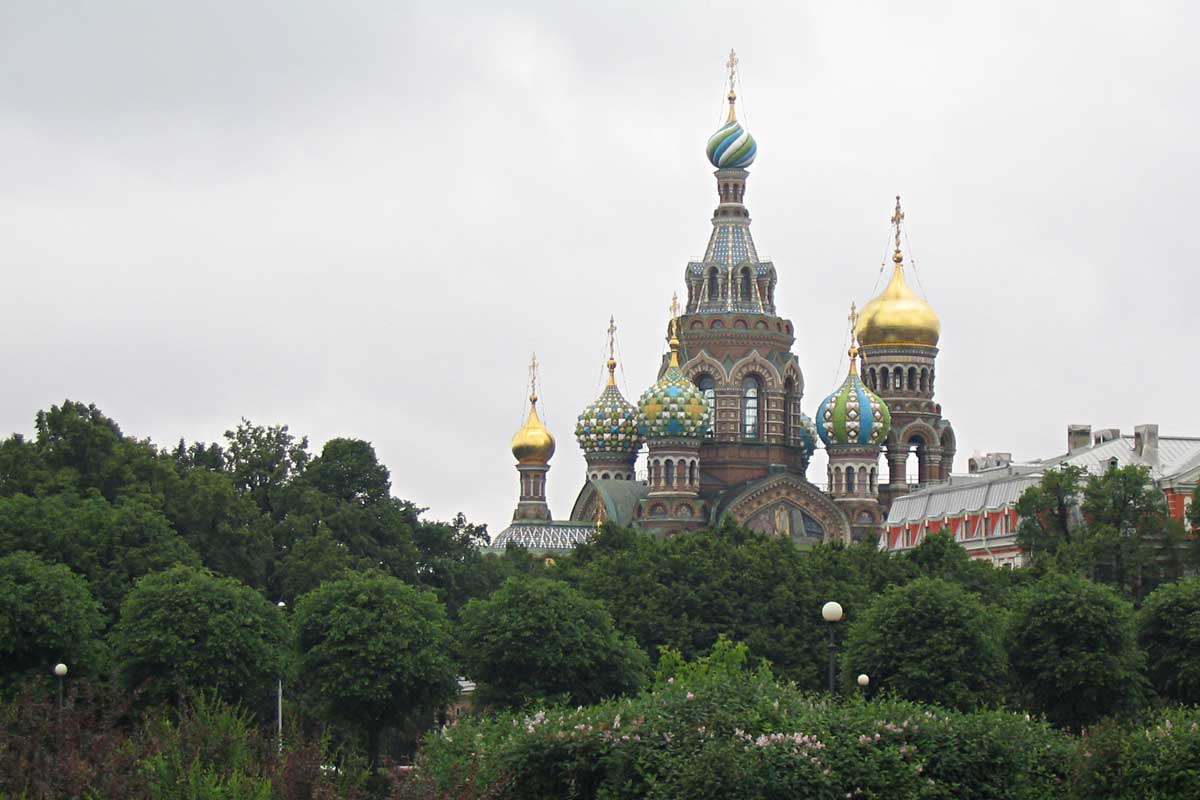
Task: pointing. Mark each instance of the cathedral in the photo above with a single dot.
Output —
(723, 426)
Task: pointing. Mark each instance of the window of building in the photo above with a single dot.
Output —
(747, 292)
(714, 287)
(750, 397)
(670, 472)
(708, 388)
(850, 481)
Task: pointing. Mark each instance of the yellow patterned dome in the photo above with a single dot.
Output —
(898, 316)
(533, 444)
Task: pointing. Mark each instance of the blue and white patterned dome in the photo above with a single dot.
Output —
(853, 414)
(609, 423)
(731, 147)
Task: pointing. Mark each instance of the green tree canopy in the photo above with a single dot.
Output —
(1169, 630)
(110, 545)
(47, 615)
(1073, 652)
(538, 640)
(186, 629)
(374, 652)
(930, 641)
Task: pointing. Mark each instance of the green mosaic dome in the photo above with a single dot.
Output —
(609, 424)
(673, 408)
(853, 414)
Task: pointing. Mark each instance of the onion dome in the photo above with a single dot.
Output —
(533, 444)
(609, 423)
(898, 315)
(732, 146)
(673, 408)
(853, 415)
(808, 433)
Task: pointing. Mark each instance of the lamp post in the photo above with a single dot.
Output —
(863, 681)
(60, 672)
(279, 698)
(831, 612)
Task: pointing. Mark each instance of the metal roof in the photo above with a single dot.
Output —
(543, 535)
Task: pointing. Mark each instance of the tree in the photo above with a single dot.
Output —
(186, 629)
(931, 641)
(374, 652)
(47, 615)
(538, 640)
(1127, 526)
(1169, 630)
(110, 545)
(262, 461)
(1049, 514)
(1073, 652)
(349, 470)
(225, 528)
(939, 556)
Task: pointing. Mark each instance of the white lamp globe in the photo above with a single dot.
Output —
(60, 670)
(832, 611)
(281, 604)
(863, 680)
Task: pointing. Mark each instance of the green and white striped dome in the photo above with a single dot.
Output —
(853, 415)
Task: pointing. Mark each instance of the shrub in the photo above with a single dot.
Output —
(736, 733)
(1155, 761)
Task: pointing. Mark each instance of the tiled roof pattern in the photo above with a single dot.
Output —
(544, 535)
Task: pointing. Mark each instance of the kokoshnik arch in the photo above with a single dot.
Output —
(723, 426)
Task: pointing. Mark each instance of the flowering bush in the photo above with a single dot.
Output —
(1157, 761)
(741, 734)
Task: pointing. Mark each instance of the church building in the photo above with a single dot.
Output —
(723, 425)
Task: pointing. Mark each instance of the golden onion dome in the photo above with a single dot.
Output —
(897, 315)
(533, 444)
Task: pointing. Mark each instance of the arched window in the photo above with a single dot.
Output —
(682, 471)
(874, 481)
(862, 480)
(714, 286)
(692, 474)
(670, 473)
(924, 378)
(837, 479)
(898, 378)
(746, 291)
(883, 378)
(850, 480)
(750, 396)
(912, 379)
(708, 388)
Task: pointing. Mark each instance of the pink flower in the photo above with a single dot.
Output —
(691, 696)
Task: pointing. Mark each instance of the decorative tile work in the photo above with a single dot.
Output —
(853, 415)
(609, 425)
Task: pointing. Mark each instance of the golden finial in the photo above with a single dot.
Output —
(533, 365)
(612, 358)
(897, 218)
(674, 341)
(731, 65)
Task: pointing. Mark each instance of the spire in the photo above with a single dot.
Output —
(897, 218)
(674, 340)
(533, 365)
(612, 358)
(731, 65)
(853, 351)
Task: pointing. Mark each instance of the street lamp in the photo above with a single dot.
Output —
(863, 681)
(60, 672)
(831, 612)
(279, 698)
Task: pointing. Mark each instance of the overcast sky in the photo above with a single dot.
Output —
(360, 218)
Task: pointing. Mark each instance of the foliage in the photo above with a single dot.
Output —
(736, 733)
(1169, 630)
(1154, 761)
(110, 545)
(939, 556)
(1073, 652)
(185, 629)
(374, 651)
(262, 460)
(536, 639)
(930, 641)
(1112, 527)
(47, 615)
(90, 748)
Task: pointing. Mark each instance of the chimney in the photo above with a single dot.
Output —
(1078, 437)
(1145, 442)
(1106, 435)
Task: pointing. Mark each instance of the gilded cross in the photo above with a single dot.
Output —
(897, 218)
(612, 336)
(731, 65)
(533, 365)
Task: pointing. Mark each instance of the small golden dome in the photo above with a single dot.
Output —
(898, 316)
(533, 444)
